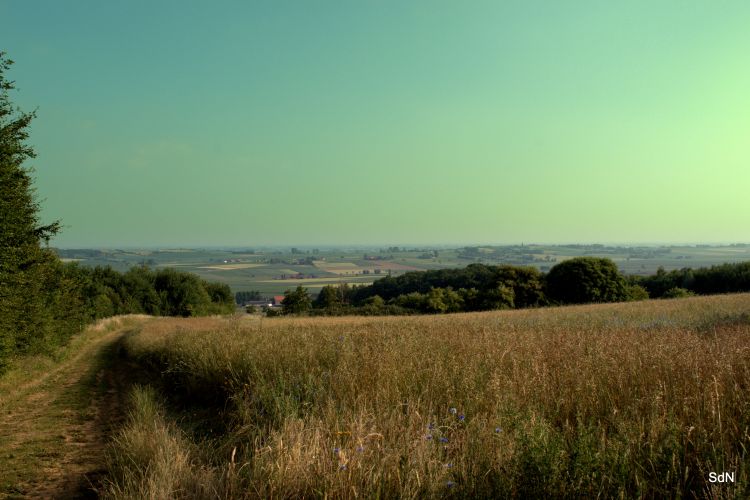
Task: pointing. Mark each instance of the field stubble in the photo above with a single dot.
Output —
(636, 399)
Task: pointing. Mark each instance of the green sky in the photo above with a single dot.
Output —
(352, 122)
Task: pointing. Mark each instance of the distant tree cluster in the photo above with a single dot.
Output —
(166, 292)
(246, 296)
(724, 278)
(584, 279)
(43, 301)
(479, 287)
(476, 287)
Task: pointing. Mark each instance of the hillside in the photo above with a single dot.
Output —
(634, 399)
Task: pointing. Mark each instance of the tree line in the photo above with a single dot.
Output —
(476, 287)
(724, 278)
(480, 287)
(44, 301)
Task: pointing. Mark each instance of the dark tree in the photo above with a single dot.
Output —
(586, 279)
(26, 268)
(328, 298)
(296, 302)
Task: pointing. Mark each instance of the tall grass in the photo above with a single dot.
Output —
(624, 400)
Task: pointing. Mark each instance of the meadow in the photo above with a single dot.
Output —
(640, 399)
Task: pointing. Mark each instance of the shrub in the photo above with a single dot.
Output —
(677, 292)
(637, 292)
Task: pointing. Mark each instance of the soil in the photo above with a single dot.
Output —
(55, 429)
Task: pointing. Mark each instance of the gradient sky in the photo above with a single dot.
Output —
(352, 122)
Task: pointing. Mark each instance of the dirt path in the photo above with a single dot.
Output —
(54, 428)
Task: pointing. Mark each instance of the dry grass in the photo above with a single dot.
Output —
(623, 400)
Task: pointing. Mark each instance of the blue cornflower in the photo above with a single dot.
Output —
(498, 430)
(443, 439)
(448, 466)
(461, 417)
(360, 448)
(453, 411)
(428, 436)
(336, 450)
(450, 484)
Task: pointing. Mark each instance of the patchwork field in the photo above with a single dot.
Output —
(338, 267)
(260, 269)
(621, 400)
(229, 267)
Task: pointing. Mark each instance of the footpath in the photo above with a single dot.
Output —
(56, 417)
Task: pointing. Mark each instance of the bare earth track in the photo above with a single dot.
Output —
(54, 427)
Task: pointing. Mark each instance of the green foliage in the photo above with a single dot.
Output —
(415, 301)
(725, 278)
(329, 298)
(220, 295)
(586, 279)
(296, 301)
(26, 269)
(443, 300)
(676, 293)
(242, 297)
(373, 306)
(637, 292)
(271, 312)
(484, 288)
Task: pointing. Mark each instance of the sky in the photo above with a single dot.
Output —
(386, 122)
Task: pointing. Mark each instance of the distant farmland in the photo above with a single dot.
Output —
(262, 269)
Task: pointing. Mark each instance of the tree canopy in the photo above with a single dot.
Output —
(586, 279)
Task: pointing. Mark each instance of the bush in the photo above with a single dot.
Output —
(677, 292)
(637, 292)
(271, 312)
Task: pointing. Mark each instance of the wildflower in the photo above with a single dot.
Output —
(336, 450)
(453, 411)
(360, 448)
(443, 439)
(498, 430)
(461, 417)
(448, 466)
(431, 426)
(428, 436)
(450, 484)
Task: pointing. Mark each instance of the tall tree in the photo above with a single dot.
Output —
(25, 266)
(296, 301)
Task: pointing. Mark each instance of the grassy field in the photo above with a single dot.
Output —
(620, 400)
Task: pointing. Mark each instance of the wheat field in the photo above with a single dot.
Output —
(640, 399)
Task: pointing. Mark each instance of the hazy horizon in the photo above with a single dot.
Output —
(304, 246)
(271, 124)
